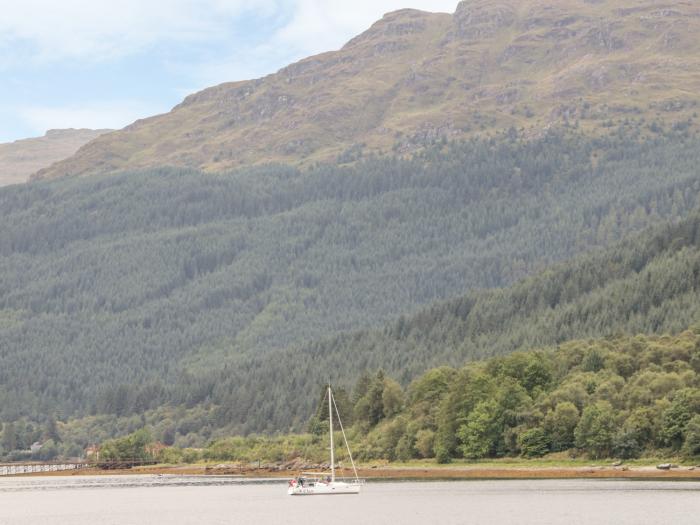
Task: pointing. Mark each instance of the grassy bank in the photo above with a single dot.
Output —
(510, 468)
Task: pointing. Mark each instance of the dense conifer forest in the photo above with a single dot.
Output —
(622, 396)
(650, 284)
(206, 303)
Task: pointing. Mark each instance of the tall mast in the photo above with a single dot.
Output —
(330, 420)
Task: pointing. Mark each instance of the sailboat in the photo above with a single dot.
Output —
(314, 483)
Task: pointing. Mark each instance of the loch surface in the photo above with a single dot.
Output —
(183, 500)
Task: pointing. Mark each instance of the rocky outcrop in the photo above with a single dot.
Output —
(481, 19)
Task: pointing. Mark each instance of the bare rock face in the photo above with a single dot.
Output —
(414, 78)
(397, 23)
(603, 36)
(481, 19)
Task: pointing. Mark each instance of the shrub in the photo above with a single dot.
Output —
(534, 443)
(691, 447)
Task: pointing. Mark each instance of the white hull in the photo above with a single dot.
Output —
(321, 488)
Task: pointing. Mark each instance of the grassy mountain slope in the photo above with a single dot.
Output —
(19, 159)
(134, 279)
(415, 77)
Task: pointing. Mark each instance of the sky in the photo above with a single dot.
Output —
(105, 63)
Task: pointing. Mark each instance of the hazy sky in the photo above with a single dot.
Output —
(105, 63)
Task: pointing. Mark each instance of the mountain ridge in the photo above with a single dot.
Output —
(414, 78)
(21, 158)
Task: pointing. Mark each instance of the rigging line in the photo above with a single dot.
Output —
(347, 445)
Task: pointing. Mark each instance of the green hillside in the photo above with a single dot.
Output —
(650, 284)
(124, 292)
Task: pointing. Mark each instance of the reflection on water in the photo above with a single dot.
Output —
(181, 500)
(125, 481)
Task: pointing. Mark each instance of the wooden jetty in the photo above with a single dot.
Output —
(13, 469)
(34, 467)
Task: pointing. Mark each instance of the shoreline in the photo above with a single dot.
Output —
(452, 472)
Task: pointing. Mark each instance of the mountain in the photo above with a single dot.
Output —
(415, 78)
(146, 283)
(434, 158)
(21, 158)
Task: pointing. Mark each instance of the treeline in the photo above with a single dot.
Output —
(624, 397)
(19, 440)
(619, 397)
(174, 287)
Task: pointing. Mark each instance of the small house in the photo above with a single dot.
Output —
(92, 452)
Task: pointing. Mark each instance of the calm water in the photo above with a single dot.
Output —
(174, 500)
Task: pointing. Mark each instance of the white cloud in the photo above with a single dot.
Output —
(96, 30)
(101, 29)
(95, 115)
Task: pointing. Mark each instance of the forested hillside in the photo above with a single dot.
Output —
(122, 293)
(650, 284)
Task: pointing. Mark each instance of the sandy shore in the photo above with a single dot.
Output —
(411, 472)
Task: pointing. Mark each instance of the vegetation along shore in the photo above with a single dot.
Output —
(481, 470)
(613, 407)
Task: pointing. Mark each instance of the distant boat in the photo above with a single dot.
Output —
(316, 484)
